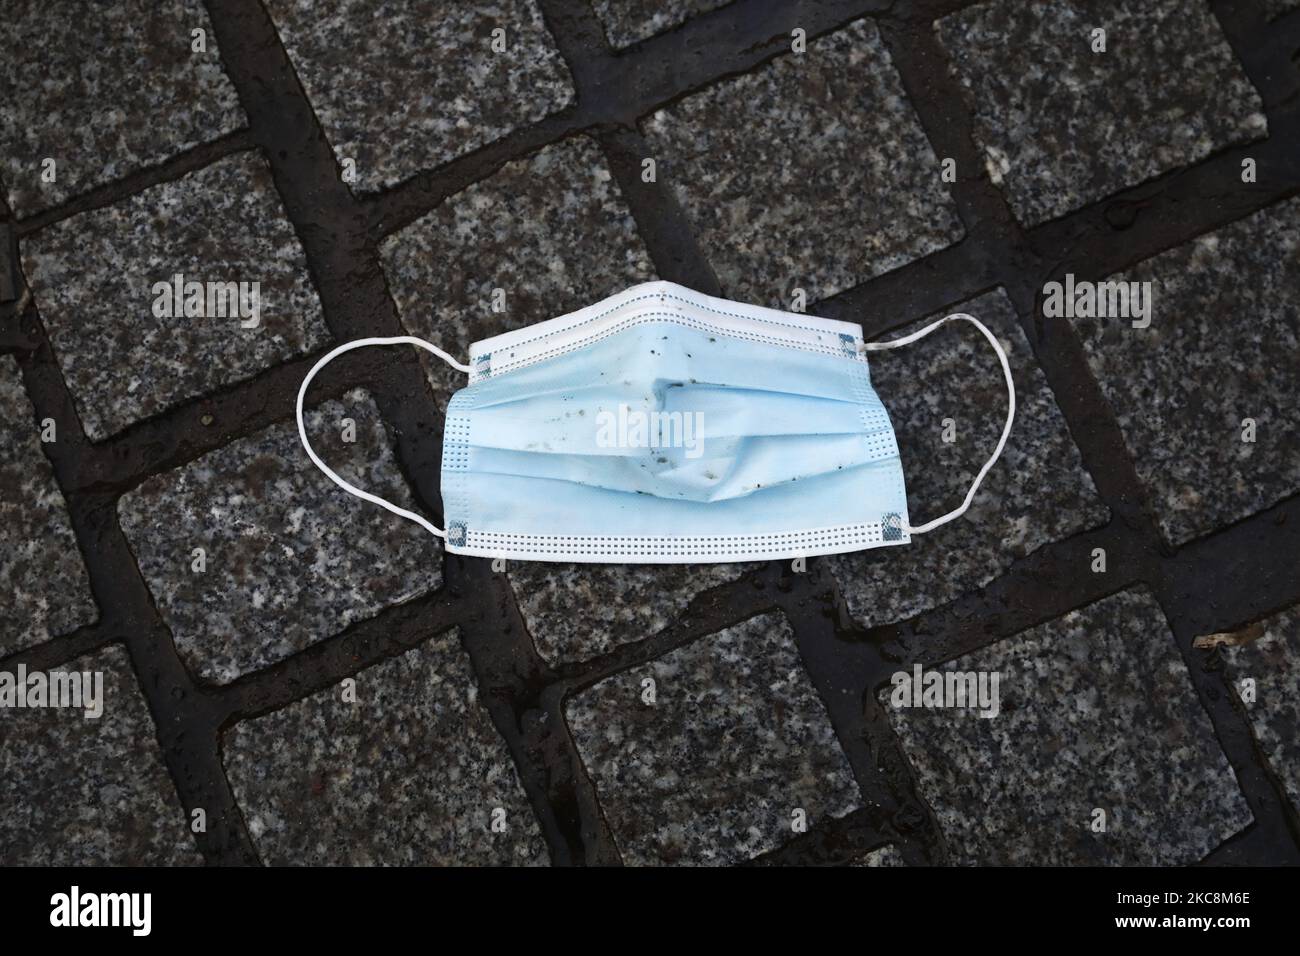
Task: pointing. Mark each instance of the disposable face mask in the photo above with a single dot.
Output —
(665, 426)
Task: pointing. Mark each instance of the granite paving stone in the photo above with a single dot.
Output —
(41, 573)
(629, 21)
(89, 791)
(551, 231)
(1062, 126)
(713, 771)
(104, 89)
(885, 856)
(100, 280)
(400, 86)
(1275, 8)
(411, 773)
(1273, 663)
(577, 611)
(811, 172)
(1038, 491)
(1183, 387)
(289, 558)
(1096, 710)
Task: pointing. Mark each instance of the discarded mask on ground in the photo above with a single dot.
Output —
(666, 426)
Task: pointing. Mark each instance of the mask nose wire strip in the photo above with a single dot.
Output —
(329, 472)
(1006, 429)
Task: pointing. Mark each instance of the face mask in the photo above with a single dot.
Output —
(665, 426)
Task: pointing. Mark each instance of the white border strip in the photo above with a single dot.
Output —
(704, 549)
(666, 300)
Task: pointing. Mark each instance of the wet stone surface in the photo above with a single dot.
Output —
(81, 791)
(94, 276)
(1097, 710)
(1275, 8)
(885, 856)
(47, 591)
(1062, 126)
(551, 231)
(808, 171)
(409, 88)
(1183, 387)
(411, 773)
(104, 89)
(735, 742)
(289, 558)
(1038, 491)
(578, 611)
(1273, 663)
(775, 167)
(629, 21)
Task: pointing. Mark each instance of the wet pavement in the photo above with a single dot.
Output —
(291, 676)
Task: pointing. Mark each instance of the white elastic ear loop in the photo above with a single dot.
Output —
(1011, 408)
(302, 431)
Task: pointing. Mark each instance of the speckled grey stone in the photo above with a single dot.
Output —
(1222, 346)
(885, 856)
(1275, 8)
(1062, 126)
(811, 172)
(93, 276)
(47, 591)
(712, 772)
(400, 86)
(409, 774)
(104, 89)
(1037, 492)
(290, 558)
(551, 231)
(81, 791)
(628, 21)
(576, 611)
(1097, 711)
(1273, 663)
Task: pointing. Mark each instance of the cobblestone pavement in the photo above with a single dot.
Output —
(291, 676)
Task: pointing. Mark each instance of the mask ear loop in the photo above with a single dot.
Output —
(1006, 429)
(329, 472)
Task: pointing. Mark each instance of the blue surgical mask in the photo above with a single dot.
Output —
(666, 426)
